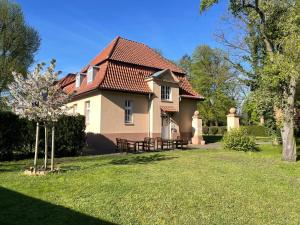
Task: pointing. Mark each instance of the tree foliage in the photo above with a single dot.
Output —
(185, 62)
(273, 36)
(18, 43)
(212, 76)
(38, 95)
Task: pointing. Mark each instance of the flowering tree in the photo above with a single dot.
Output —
(39, 97)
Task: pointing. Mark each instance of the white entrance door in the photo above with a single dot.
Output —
(165, 126)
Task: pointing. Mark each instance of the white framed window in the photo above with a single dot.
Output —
(75, 109)
(128, 111)
(165, 93)
(87, 112)
(90, 75)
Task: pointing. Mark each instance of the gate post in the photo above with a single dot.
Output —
(197, 129)
(233, 120)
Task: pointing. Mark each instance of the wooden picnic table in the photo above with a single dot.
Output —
(178, 142)
(136, 144)
(170, 143)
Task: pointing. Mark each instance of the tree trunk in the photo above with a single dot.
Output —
(52, 150)
(36, 147)
(289, 151)
(46, 148)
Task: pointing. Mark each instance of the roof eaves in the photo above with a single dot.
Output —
(200, 98)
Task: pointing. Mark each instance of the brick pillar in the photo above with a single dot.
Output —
(233, 120)
(197, 129)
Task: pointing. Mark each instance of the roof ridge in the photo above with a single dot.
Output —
(151, 49)
(116, 40)
(126, 39)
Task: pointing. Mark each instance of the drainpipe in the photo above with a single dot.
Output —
(149, 118)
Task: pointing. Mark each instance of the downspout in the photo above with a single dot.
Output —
(149, 118)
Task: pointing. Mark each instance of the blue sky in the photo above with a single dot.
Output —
(73, 32)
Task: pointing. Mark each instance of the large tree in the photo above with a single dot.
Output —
(275, 25)
(18, 43)
(213, 77)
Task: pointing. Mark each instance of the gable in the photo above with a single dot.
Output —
(165, 75)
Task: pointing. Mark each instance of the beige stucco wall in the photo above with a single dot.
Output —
(112, 116)
(95, 110)
(187, 109)
(155, 111)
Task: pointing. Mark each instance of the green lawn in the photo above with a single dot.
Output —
(175, 187)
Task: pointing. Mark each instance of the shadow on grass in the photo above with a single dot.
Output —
(20, 209)
(12, 167)
(212, 138)
(145, 159)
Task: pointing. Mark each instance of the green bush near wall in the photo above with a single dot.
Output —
(17, 136)
(70, 135)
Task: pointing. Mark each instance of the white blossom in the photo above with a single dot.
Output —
(38, 95)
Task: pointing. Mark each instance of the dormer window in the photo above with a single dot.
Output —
(79, 79)
(77, 84)
(90, 75)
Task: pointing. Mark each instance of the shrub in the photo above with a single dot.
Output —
(239, 140)
(205, 129)
(213, 130)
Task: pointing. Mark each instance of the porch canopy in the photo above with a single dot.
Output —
(168, 109)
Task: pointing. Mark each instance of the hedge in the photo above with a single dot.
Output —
(17, 136)
(257, 131)
(214, 130)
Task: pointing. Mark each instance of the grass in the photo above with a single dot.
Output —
(175, 187)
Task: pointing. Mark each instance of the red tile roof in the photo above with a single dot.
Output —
(125, 77)
(186, 88)
(140, 54)
(124, 65)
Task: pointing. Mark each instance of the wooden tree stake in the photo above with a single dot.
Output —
(36, 147)
(52, 150)
(46, 147)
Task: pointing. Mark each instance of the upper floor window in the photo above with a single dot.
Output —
(128, 111)
(87, 111)
(165, 93)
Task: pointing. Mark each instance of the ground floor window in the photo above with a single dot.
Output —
(128, 111)
(75, 109)
(87, 112)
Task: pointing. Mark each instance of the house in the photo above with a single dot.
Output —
(131, 91)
